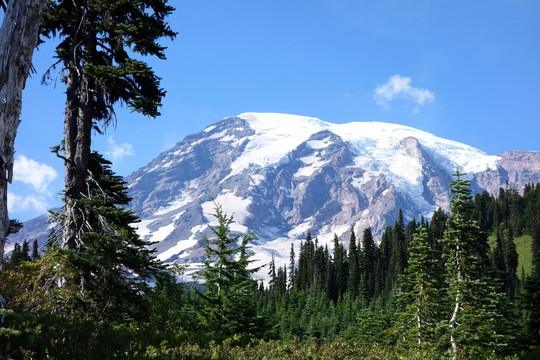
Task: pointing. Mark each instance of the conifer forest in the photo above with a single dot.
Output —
(464, 284)
(452, 287)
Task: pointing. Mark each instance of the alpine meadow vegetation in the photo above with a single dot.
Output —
(87, 303)
(458, 286)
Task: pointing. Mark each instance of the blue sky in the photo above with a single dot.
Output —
(463, 70)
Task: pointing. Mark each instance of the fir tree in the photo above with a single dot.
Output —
(474, 324)
(341, 268)
(531, 294)
(99, 40)
(292, 263)
(353, 281)
(25, 249)
(228, 304)
(369, 255)
(510, 262)
(16, 254)
(113, 265)
(35, 250)
(422, 293)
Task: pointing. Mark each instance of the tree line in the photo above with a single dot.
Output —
(446, 288)
(450, 287)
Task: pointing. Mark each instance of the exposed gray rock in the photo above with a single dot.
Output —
(323, 179)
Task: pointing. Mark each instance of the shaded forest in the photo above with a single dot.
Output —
(465, 284)
(451, 287)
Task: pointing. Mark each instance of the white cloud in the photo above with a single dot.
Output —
(34, 203)
(31, 172)
(117, 152)
(400, 86)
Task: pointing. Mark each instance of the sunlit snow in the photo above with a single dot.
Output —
(232, 205)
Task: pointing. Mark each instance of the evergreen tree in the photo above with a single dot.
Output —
(385, 250)
(369, 255)
(35, 250)
(341, 267)
(113, 265)
(272, 273)
(16, 254)
(474, 324)
(292, 263)
(228, 302)
(497, 254)
(422, 313)
(510, 262)
(98, 42)
(398, 260)
(531, 294)
(354, 266)
(25, 249)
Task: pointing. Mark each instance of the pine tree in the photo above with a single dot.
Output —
(475, 326)
(531, 294)
(16, 254)
(369, 255)
(353, 281)
(272, 273)
(98, 42)
(340, 266)
(292, 264)
(35, 250)
(422, 313)
(113, 265)
(228, 304)
(510, 262)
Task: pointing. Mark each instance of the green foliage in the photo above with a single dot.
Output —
(227, 302)
(418, 322)
(476, 323)
(523, 249)
(99, 37)
(300, 311)
(114, 265)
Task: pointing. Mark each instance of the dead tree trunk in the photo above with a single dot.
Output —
(18, 38)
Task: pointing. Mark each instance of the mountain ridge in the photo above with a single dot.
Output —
(284, 175)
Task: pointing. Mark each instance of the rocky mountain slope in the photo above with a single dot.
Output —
(284, 175)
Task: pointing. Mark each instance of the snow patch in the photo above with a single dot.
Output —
(210, 128)
(162, 233)
(256, 179)
(142, 227)
(311, 169)
(319, 144)
(275, 136)
(232, 205)
(176, 249)
(178, 203)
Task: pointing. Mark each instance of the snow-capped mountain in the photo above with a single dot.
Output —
(284, 175)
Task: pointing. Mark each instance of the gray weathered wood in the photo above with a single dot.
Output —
(18, 38)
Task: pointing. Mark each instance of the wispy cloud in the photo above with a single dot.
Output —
(35, 203)
(34, 197)
(117, 152)
(29, 171)
(400, 86)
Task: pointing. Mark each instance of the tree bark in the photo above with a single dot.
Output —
(78, 122)
(18, 38)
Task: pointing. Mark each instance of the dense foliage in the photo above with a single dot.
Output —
(101, 43)
(353, 300)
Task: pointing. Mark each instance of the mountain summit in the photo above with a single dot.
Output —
(282, 176)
